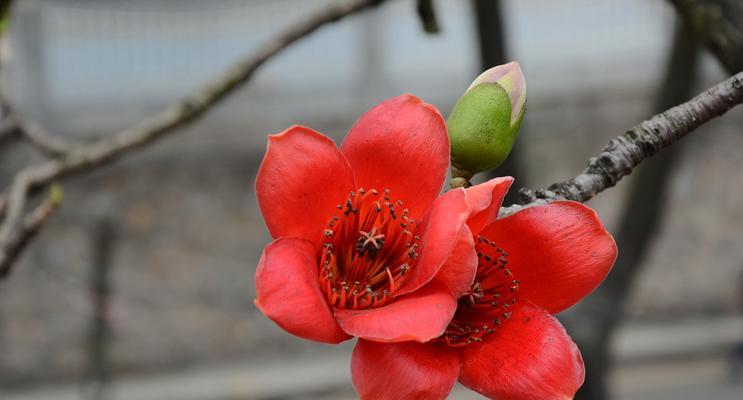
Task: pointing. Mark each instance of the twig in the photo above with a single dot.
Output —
(427, 15)
(14, 124)
(625, 152)
(31, 225)
(93, 155)
(48, 143)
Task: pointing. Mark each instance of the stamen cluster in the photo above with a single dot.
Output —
(489, 300)
(368, 250)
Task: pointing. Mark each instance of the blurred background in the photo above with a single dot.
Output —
(141, 286)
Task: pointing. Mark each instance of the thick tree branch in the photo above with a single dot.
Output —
(719, 25)
(89, 156)
(594, 320)
(625, 152)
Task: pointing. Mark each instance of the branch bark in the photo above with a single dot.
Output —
(89, 156)
(623, 153)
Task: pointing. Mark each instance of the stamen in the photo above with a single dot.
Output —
(487, 303)
(368, 242)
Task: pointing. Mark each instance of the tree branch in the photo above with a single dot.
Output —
(89, 156)
(427, 15)
(14, 124)
(719, 25)
(31, 224)
(594, 319)
(625, 152)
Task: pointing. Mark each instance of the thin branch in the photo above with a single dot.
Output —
(13, 124)
(31, 225)
(625, 152)
(50, 144)
(93, 155)
(427, 15)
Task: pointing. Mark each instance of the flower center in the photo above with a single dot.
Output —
(368, 250)
(489, 300)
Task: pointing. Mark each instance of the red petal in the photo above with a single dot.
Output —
(287, 291)
(401, 371)
(400, 145)
(559, 251)
(529, 357)
(302, 178)
(486, 200)
(419, 316)
(441, 227)
(459, 270)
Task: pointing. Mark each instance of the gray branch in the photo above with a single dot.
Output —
(624, 153)
(13, 124)
(87, 157)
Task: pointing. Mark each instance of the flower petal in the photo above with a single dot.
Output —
(419, 316)
(459, 270)
(441, 227)
(400, 145)
(528, 357)
(302, 178)
(559, 252)
(485, 200)
(287, 291)
(402, 371)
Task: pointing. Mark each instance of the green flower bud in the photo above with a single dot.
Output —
(485, 121)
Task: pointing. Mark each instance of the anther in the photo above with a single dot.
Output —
(360, 257)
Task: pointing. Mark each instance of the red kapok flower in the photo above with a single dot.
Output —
(503, 341)
(361, 233)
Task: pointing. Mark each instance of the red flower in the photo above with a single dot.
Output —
(503, 341)
(361, 234)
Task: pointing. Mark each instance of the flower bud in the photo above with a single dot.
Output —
(485, 121)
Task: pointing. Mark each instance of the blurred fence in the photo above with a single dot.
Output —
(88, 66)
(186, 232)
